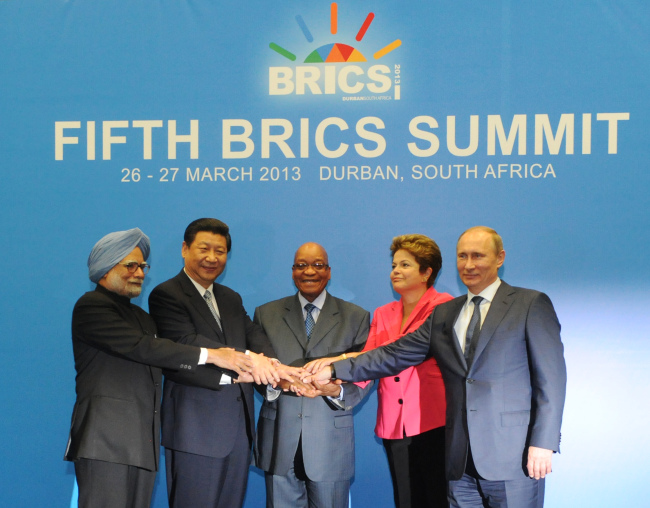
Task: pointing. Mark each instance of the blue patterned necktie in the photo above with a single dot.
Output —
(208, 299)
(309, 320)
(474, 327)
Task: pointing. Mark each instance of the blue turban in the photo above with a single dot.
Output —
(112, 249)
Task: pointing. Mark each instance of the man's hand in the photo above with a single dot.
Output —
(322, 376)
(539, 462)
(264, 371)
(311, 391)
(316, 365)
(228, 358)
(244, 377)
(332, 389)
(298, 387)
(284, 385)
(289, 373)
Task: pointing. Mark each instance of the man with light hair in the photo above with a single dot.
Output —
(114, 434)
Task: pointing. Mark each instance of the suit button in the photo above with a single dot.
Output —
(299, 415)
(470, 380)
(238, 399)
(400, 401)
(397, 379)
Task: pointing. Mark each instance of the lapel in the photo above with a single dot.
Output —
(449, 331)
(200, 305)
(294, 320)
(327, 319)
(421, 311)
(398, 309)
(503, 299)
(227, 313)
(392, 321)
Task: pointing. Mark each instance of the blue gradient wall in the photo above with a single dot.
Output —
(528, 117)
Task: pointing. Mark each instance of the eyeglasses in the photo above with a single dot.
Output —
(301, 267)
(133, 266)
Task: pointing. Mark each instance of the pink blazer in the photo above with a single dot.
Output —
(413, 401)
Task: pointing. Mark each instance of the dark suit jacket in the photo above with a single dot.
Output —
(116, 417)
(327, 430)
(510, 397)
(198, 415)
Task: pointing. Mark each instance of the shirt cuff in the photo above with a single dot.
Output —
(339, 401)
(272, 393)
(203, 357)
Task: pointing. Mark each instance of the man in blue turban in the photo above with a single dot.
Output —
(114, 435)
(111, 249)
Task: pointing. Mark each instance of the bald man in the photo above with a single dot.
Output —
(306, 445)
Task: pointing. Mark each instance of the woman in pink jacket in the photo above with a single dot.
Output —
(411, 405)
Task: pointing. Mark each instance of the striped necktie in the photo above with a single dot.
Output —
(208, 299)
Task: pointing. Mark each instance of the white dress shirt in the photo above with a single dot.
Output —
(460, 327)
(225, 378)
(319, 301)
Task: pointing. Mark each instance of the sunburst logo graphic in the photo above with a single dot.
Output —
(317, 76)
(337, 52)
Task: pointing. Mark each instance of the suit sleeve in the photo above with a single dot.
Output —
(548, 373)
(174, 323)
(388, 360)
(101, 325)
(353, 394)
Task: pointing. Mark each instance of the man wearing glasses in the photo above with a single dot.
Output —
(306, 445)
(114, 435)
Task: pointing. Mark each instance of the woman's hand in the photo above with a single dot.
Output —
(318, 365)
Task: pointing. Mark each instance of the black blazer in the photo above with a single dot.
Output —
(199, 415)
(118, 359)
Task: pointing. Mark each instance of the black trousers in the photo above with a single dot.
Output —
(417, 468)
(109, 485)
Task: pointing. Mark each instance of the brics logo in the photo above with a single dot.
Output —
(336, 68)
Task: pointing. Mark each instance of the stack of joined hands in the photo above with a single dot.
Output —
(312, 380)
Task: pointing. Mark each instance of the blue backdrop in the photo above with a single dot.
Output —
(430, 117)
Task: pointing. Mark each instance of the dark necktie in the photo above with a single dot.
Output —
(208, 299)
(309, 320)
(473, 329)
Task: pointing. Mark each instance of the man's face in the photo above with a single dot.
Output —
(205, 259)
(120, 281)
(310, 281)
(477, 260)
